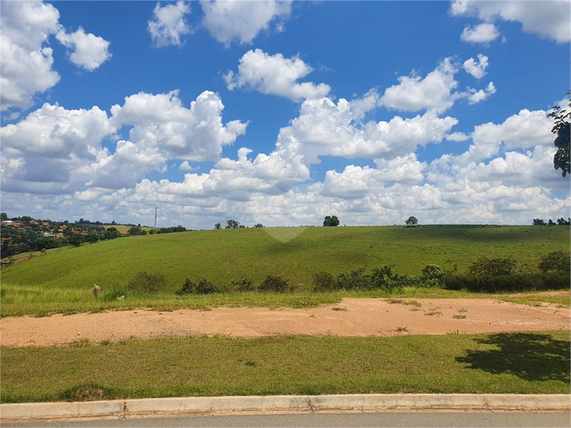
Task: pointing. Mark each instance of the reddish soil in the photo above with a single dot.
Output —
(350, 317)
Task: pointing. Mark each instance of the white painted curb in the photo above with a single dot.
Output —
(286, 404)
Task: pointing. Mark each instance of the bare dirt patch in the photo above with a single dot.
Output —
(350, 317)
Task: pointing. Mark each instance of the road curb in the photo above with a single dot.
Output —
(285, 404)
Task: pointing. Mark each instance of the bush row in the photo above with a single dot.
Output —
(382, 278)
(484, 275)
(516, 282)
(378, 279)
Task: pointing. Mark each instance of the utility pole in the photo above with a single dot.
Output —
(155, 219)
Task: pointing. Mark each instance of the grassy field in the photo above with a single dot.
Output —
(61, 281)
(211, 366)
(123, 229)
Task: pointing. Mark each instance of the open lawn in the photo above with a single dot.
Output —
(209, 366)
(61, 281)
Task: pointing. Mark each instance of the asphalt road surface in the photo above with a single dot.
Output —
(472, 419)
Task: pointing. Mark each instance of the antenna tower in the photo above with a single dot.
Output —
(155, 218)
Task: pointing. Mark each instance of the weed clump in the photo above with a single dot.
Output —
(89, 392)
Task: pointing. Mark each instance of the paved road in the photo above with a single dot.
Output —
(476, 419)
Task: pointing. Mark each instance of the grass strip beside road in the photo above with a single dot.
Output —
(535, 363)
(37, 301)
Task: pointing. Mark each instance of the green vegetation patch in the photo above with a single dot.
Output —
(214, 366)
(149, 271)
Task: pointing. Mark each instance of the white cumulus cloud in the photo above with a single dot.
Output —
(55, 150)
(26, 60)
(168, 25)
(87, 50)
(47, 152)
(326, 128)
(477, 96)
(274, 75)
(161, 121)
(242, 21)
(476, 68)
(549, 19)
(482, 33)
(435, 92)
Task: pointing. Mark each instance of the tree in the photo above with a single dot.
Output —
(331, 221)
(412, 221)
(258, 225)
(75, 240)
(135, 231)
(217, 226)
(232, 224)
(561, 128)
(112, 233)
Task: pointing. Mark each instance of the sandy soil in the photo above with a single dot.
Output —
(350, 317)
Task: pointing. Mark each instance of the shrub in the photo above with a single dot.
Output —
(385, 279)
(324, 281)
(508, 283)
(433, 272)
(557, 280)
(147, 283)
(556, 261)
(205, 287)
(493, 267)
(355, 280)
(243, 285)
(274, 283)
(189, 287)
(412, 281)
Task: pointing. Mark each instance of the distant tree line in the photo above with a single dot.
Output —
(234, 224)
(26, 234)
(560, 222)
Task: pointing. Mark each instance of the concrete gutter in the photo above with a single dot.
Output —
(286, 404)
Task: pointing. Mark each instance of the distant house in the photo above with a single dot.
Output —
(7, 223)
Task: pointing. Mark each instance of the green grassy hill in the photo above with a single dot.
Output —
(223, 255)
(232, 254)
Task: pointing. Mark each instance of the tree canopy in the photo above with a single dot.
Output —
(331, 221)
(562, 128)
(411, 221)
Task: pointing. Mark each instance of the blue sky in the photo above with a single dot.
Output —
(281, 113)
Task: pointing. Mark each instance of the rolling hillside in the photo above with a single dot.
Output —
(296, 253)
